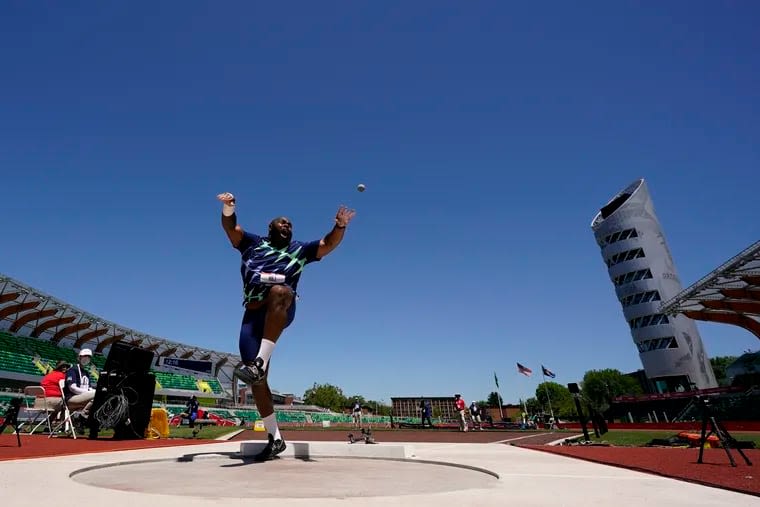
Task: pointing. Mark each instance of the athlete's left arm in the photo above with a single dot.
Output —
(333, 238)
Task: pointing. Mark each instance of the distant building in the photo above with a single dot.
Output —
(511, 412)
(643, 274)
(641, 379)
(745, 370)
(442, 406)
(245, 397)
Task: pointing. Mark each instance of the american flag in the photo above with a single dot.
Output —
(524, 370)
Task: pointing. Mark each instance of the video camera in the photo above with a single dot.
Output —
(704, 401)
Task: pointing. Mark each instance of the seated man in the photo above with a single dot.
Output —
(191, 412)
(77, 391)
(50, 383)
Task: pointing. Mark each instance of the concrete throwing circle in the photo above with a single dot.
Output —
(220, 477)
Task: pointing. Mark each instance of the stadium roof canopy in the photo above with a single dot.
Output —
(730, 294)
(31, 312)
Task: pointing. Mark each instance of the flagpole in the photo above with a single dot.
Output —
(525, 409)
(524, 418)
(498, 395)
(548, 398)
(527, 373)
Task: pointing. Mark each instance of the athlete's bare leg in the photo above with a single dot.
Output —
(276, 444)
(263, 397)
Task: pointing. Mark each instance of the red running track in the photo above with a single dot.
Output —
(40, 446)
(437, 436)
(678, 463)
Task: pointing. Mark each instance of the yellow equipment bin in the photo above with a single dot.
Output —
(159, 424)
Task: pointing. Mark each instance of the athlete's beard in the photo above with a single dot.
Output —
(279, 239)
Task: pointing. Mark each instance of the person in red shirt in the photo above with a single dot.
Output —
(460, 406)
(50, 384)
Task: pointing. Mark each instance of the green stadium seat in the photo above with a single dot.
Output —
(46, 350)
(176, 381)
(216, 387)
(19, 363)
(248, 415)
(19, 352)
(6, 398)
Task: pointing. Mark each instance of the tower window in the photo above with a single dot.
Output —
(640, 297)
(632, 276)
(628, 255)
(648, 320)
(668, 342)
(618, 236)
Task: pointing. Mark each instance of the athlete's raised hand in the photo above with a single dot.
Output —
(229, 219)
(344, 216)
(227, 198)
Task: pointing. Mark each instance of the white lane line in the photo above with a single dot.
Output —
(519, 438)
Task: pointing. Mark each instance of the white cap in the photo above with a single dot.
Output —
(85, 352)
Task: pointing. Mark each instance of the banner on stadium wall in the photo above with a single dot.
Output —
(188, 364)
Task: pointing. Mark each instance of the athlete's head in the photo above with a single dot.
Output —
(280, 231)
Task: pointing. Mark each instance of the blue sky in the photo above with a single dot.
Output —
(488, 135)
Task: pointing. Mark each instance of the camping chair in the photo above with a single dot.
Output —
(67, 423)
(41, 407)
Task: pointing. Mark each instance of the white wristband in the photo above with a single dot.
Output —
(228, 210)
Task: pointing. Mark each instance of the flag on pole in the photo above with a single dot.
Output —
(496, 379)
(524, 370)
(547, 372)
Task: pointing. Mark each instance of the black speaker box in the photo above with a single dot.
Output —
(139, 390)
(573, 388)
(124, 358)
(126, 372)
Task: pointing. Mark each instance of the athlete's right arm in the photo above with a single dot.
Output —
(229, 219)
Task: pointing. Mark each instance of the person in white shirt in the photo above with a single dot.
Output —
(357, 414)
(77, 390)
(477, 422)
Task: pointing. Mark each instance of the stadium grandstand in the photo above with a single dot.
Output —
(37, 330)
(730, 294)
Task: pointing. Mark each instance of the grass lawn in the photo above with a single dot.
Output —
(380, 428)
(637, 438)
(207, 433)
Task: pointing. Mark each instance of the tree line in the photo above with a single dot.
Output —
(332, 397)
(599, 387)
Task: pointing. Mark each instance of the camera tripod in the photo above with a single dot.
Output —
(11, 418)
(726, 440)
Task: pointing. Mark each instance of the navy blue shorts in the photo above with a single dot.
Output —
(252, 330)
